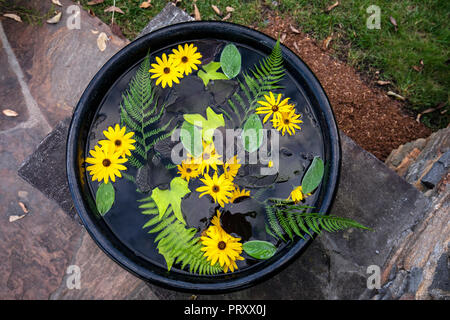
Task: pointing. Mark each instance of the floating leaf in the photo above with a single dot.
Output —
(313, 176)
(104, 197)
(258, 249)
(230, 61)
(209, 72)
(191, 138)
(252, 134)
(208, 125)
(164, 198)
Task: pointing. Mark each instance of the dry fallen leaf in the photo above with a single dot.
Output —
(10, 113)
(296, 46)
(396, 95)
(228, 16)
(197, 13)
(15, 218)
(293, 29)
(23, 207)
(55, 19)
(94, 2)
(229, 9)
(394, 22)
(13, 16)
(283, 37)
(145, 4)
(334, 5)
(57, 2)
(117, 31)
(383, 83)
(95, 31)
(326, 42)
(216, 10)
(440, 106)
(101, 41)
(114, 9)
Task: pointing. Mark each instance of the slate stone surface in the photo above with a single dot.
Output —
(333, 267)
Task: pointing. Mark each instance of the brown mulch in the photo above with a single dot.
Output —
(363, 111)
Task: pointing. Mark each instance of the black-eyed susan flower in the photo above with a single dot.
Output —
(237, 193)
(218, 187)
(297, 195)
(188, 170)
(273, 106)
(166, 71)
(219, 246)
(231, 167)
(209, 158)
(118, 140)
(105, 164)
(287, 122)
(186, 58)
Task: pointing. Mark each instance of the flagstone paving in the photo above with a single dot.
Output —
(56, 65)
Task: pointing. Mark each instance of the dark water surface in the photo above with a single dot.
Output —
(244, 219)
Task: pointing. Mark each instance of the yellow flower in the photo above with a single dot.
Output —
(105, 164)
(239, 193)
(118, 140)
(219, 188)
(221, 247)
(273, 106)
(186, 58)
(166, 71)
(288, 122)
(188, 170)
(231, 167)
(209, 158)
(297, 195)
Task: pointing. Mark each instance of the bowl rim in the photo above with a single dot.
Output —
(118, 61)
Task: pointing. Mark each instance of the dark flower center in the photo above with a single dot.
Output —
(118, 143)
(215, 188)
(166, 70)
(184, 59)
(106, 162)
(188, 170)
(221, 245)
(275, 108)
(286, 121)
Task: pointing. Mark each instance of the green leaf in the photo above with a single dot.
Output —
(313, 175)
(258, 249)
(230, 61)
(191, 138)
(164, 198)
(208, 125)
(252, 134)
(209, 72)
(104, 198)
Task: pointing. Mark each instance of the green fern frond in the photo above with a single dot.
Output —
(175, 242)
(264, 77)
(286, 218)
(140, 113)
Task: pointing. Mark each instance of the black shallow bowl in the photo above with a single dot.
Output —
(91, 100)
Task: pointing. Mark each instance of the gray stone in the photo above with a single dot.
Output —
(168, 16)
(437, 171)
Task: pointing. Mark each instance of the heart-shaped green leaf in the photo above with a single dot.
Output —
(209, 72)
(208, 125)
(191, 138)
(104, 198)
(230, 61)
(313, 176)
(252, 133)
(258, 249)
(164, 198)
